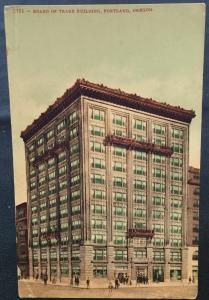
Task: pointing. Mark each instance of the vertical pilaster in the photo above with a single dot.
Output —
(110, 264)
(48, 263)
(149, 259)
(184, 265)
(30, 257)
(86, 259)
(167, 265)
(58, 263)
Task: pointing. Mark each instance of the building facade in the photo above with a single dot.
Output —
(107, 176)
(193, 221)
(22, 239)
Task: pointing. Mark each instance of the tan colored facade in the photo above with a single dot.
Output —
(193, 221)
(97, 171)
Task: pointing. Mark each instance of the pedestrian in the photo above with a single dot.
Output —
(45, 279)
(193, 280)
(110, 288)
(88, 282)
(190, 279)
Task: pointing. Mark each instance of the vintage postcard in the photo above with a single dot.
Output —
(106, 124)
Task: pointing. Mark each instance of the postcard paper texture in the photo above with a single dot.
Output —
(106, 124)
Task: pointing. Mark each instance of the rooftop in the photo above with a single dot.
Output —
(103, 93)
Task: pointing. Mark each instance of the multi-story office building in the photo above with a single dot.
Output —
(193, 221)
(22, 239)
(107, 176)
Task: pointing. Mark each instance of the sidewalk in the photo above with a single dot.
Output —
(102, 285)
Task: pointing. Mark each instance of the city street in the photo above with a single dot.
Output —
(34, 289)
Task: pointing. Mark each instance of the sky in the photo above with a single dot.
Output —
(156, 53)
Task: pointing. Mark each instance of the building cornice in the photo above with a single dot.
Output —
(103, 93)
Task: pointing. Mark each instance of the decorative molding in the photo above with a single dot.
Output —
(103, 93)
(129, 143)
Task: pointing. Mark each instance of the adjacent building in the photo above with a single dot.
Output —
(22, 240)
(107, 175)
(193, 221)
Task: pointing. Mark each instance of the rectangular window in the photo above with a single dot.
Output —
(177, 133)
(176, 256)
(119, 211)
(119, 120)
(141, 199)
(75, 180)
(100, 254)
(97, 114)
(119, 151)
(74, 164)
(98, 194)
(119, 132)
(61, 126)
(159, 228)
(140, 253)
(176, 242)
(98, 178)
(120, 254)
(74, 149)
(139, 212)
(158, 173)
(75, 254)
(76, 224)
(176, 162)
(157, 200)
(97, 163)
(51, 162)
(176, 229)
(75, 195)
(50, 134)
(139, 184)
(62, 185)
(40, 141)
(140, 155)
(139, 170)
(52, 202)
(98, 224)
(98, 238)
(178, 176)
(119, 239)
(176, 203)
(158, 129)
(98, 209)
(158, 187)
(97, 147)
(63, 212)
(97, 130)
(61, 156)
(158, 256)
(140, 125)
(100, 271)
(119, 181)
(51, 175)
(139, 225)
(139, 137)
(73, 132)
(159, 159)
(177, 147)
(119, 166)
(176, 190)
(158, 214)
(118, 196)
(175, 216)
(63, 199)
(62, 170)
(159, 141)
(158, 241)
(76, 210)
(120, 225)
(73, 117)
